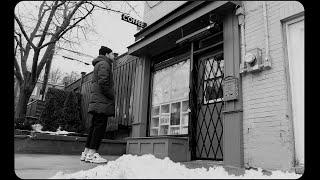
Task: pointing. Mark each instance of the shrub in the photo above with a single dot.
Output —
(62, 108)
(71, 113)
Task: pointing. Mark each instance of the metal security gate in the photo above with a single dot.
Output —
(207, 104)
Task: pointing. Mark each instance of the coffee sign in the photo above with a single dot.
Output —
(131, 20)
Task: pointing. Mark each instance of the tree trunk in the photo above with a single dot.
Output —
(16, 93)
(46, 78)
(21, 107)
(47, 71)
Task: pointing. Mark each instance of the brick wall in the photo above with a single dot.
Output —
(268, 133)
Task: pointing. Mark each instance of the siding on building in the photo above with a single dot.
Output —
(268, 136)
(37, 89)
(154, 11)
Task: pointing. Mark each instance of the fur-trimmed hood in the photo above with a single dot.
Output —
(101, 58)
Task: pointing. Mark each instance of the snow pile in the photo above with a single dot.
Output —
(147, 166)
(38, 128)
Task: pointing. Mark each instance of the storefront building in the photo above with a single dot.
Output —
(221, 81)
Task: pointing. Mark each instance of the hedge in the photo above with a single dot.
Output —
(62, 108)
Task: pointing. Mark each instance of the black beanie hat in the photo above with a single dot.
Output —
(104, 50)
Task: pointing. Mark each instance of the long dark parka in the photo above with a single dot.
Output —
(102, 93)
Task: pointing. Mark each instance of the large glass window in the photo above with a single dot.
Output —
(170, 105)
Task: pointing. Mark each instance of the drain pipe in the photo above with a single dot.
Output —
(240, 14)
(267, 63)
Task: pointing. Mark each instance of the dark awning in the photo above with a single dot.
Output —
(163, 34)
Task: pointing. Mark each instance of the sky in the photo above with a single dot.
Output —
(111, 32)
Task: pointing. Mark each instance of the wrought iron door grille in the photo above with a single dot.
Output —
(207, 107)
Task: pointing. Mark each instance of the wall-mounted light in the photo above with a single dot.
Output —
(215, 20)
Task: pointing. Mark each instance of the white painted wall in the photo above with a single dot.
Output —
(267, 127)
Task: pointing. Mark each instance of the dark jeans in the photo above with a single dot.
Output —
(96, 131)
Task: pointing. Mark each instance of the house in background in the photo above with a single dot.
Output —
(35, 105)
(36, 93)
(222, 81)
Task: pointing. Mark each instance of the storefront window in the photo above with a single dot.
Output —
(213, 79)
(170, 105)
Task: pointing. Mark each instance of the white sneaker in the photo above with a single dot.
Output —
(83, 156)
(95, 158)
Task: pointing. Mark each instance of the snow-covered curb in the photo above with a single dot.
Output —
(38, 128)
(147, 166)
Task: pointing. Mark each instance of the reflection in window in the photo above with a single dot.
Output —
(213, 75)
(170, 105)
(175, 114)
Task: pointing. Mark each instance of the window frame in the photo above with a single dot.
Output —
(213, 79)
(157, 67)
(284, 24)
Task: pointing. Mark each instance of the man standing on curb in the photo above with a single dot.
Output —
(101, 104)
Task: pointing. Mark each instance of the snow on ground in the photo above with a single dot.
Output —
(147, 166)
(38, 128)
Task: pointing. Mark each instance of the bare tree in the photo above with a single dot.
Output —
(70, 78)
(55, 75)
(55, 23)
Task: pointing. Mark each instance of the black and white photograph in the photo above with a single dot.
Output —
(158, 89)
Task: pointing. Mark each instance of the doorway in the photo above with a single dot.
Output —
(208, 104)
(294, 31)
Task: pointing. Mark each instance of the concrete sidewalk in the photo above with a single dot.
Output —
(44, 166)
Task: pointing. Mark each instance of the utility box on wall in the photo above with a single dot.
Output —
(230, 88)
(253, 62)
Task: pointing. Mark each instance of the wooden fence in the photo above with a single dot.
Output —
(124, 70)
(124, 73)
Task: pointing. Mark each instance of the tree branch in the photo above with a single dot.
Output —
(64, 27)
(45, 57)
(47, 34)
(19, 43)
(22, 55)
(34, 74)
(15, 49)
(32, 35)
(24, 32)
(48, 24)
(108, 9)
